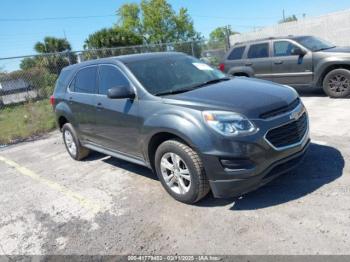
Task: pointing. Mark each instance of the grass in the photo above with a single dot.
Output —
(26, 120)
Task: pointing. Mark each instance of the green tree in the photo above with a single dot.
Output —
(288, 19)
(53, 62)
(28, 63)
(52, 45)
(157, 22)
(129, 15)
(109, 38)
(220, 34)
(112, 37)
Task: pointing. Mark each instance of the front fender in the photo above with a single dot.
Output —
(327, 62)
(188, 127)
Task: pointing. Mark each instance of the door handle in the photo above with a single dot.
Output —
(279, 62)
(248, 64)
(99, 106)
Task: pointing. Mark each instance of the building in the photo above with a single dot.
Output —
(333, 27)
(14, 91)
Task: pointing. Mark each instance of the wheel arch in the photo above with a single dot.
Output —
(61, 121)
(158, 138)
(63, 115)
(241, 71)
(328, 69)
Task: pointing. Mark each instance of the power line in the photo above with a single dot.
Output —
(52, 18)
(235, 18)
(30, 19)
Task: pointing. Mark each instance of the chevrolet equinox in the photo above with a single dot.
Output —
(195, 127)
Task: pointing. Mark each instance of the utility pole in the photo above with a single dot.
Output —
(68, 53)
(284, 16)
(227, 37)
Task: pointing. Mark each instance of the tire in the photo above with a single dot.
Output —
(336, 83)
(195, 186)
(72, 143)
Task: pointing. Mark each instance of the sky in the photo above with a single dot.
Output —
(24, 22)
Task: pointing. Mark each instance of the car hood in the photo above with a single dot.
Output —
(337, 49)
(250, 97)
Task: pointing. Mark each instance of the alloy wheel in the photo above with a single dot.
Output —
(339, 83)
(175, 173)
(69, 141)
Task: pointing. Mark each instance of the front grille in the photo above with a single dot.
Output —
(288, 134)
(281, 110)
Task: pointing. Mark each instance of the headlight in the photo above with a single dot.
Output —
(229, 123)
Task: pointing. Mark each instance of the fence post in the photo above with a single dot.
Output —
(192, 48)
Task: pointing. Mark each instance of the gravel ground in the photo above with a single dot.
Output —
(51, 204)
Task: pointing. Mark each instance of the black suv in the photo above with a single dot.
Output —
(195, 127)
(293, 60)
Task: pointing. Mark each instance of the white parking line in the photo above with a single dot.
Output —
(92, 206)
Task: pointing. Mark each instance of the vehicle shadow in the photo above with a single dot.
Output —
(321, 165)
(119, 163)
(310, 92)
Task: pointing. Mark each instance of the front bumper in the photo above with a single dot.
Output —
(237, 166)
(240, 186)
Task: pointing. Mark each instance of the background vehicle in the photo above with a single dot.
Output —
(195, 127)
(293, 60)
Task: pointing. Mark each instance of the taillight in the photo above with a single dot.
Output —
(52, 100)
(222, 67)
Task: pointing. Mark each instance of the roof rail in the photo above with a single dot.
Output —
(262, 39)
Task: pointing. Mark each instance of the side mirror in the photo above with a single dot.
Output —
(120, 92)
(298, 51)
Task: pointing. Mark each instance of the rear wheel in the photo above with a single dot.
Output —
(72, 143)
(181, 171)
(336, 84)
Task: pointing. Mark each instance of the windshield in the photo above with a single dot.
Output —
(171, 74)
(313, 43)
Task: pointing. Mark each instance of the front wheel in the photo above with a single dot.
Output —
(336, 84)
(181, 172)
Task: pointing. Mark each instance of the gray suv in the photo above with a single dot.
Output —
(293, 60)
(196, 128)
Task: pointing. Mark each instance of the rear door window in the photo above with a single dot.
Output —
(236, 53)
(85, 80)
(258, 51)
(110, 76)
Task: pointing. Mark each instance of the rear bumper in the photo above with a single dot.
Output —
(251, 180)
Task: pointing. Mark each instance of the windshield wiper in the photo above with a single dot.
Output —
(173, 92)
(213, 81)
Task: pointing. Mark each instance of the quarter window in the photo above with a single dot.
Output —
(236, 53)
(283, 48)
(259, 51)
(85, 80)
(110, 77)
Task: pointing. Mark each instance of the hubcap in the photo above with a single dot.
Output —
(175, 173)
(68, 139)
(339, 83)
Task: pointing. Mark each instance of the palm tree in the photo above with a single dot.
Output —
(52, 45)
(55, 62)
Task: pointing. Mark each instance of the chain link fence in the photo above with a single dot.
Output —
(27, 82)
